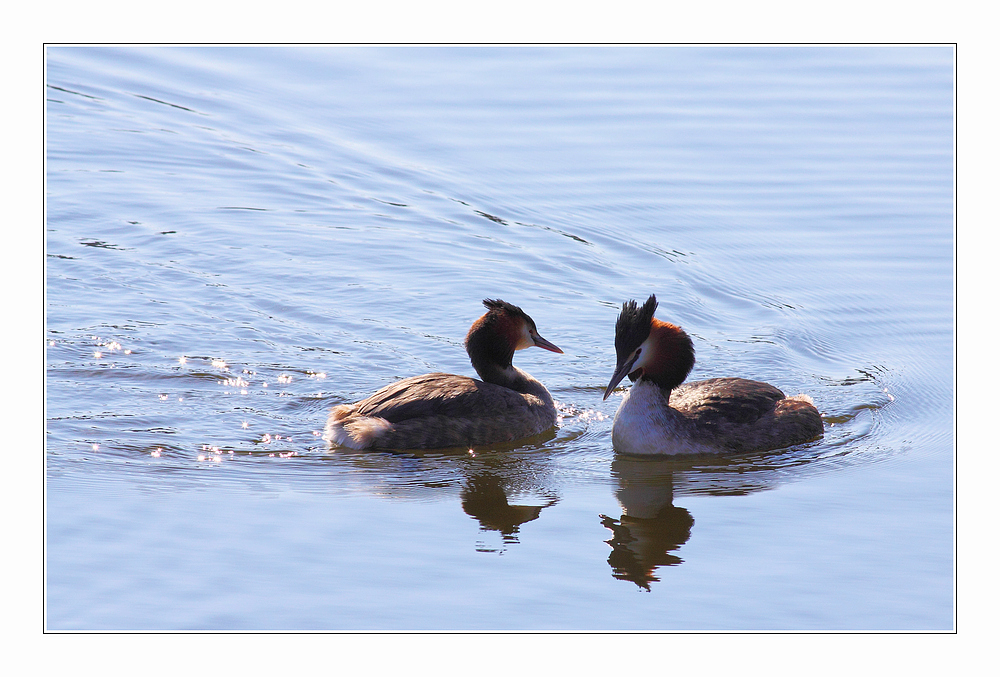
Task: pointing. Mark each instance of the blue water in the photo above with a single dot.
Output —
(238, 239)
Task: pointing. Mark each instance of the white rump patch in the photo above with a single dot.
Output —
(354, 432)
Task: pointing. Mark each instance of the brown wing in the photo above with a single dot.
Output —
(733, 400)
(438, 394)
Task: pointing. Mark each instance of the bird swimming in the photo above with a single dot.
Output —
(660, 414)
(439, 410)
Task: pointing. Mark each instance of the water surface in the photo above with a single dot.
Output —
(238, 239)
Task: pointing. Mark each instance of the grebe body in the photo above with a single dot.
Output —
(446, 410)
(661, 415)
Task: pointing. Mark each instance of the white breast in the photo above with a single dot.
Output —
(644, 425)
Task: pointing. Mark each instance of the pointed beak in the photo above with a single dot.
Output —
(542, 343)
(623, 370)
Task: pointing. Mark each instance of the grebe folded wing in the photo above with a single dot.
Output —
(738, 400)
(439, 394)
(437, 411)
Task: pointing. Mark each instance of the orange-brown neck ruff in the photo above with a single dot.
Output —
(671, 356)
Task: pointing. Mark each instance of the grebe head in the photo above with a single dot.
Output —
(495, 336)
(649, 348)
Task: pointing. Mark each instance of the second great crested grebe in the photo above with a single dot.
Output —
(659, 415)
(438, 410)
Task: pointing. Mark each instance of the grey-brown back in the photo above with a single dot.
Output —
(445, 410)
(745, 415)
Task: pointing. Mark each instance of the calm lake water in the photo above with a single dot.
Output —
(240, 238)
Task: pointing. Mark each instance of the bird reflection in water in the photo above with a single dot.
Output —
(485, 498)
(651, 527)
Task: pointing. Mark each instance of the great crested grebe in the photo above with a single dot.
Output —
(438, 410)
(658, 415)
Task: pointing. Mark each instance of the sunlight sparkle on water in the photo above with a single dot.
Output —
(238, 382)
(564, 412)
(182, 359)
(216, 454)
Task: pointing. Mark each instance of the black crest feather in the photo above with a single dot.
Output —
(633, 324)
(496, 305)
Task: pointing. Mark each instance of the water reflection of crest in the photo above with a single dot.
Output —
(484, 497)
(650, 527)
(502, 487)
